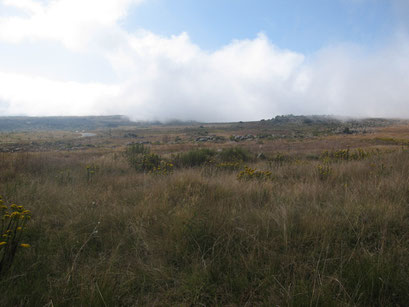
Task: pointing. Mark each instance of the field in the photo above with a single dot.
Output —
(293, 211)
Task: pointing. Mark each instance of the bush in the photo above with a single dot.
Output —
(164, 168)
(346, 155)
(135, 149)
(194, 158)
(250, 174)
(140, 158)
(235, 154)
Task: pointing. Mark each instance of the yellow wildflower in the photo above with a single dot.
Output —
(25, 245)
(3, 243)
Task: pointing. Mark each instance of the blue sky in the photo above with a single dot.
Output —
(300, 25)
(224, 60)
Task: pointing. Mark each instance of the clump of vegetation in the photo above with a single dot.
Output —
(141, 159)
(148, 162)
(235, 154)
(133, 150)
(192, 158)
(346, 154)
(280, 158)
(324, 171)
(342, 154)
(250, 174)
(228, 158)
(164, 168)
(91, 171)
(13, 223)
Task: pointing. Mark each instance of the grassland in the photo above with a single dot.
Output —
(324, 223)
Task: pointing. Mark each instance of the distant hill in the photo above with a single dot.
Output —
(73, 123)
(77, 123)
(332, 120)
(23, 123)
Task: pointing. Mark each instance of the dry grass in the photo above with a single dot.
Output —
(201, 237)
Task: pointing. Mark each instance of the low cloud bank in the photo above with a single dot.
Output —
(164, 78)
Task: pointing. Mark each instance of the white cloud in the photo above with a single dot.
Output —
(347, 80)
(72, 22)
(253, 79)
(28, 6)
(172, 78)
(22, 94)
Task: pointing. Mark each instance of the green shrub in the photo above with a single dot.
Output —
(235, 154)
(135, 149)
(140, 158)
(194, 158)
(250, 174)
(149, 162)
(164, 168)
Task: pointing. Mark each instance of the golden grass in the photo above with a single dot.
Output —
(201, 237)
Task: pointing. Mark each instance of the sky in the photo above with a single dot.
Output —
(204, 60)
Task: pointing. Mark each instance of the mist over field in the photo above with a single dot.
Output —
(70, 57)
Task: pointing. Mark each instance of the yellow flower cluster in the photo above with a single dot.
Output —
(345, 154)
(250, 174)
(324, 171)
(13, 222)
(165, 168)
(91, 170)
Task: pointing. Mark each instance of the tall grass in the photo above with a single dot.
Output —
(203, 238)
